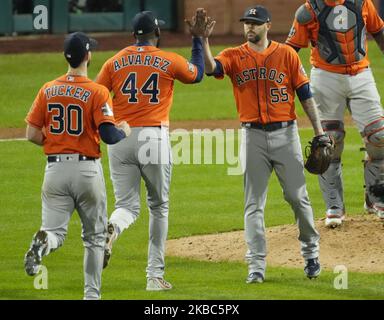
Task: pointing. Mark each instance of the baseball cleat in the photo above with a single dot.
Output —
(379, 208)
(158, 284)
(334, 217)
(369, 209)
(312, 268)
(111, 237)
(33, 257)
(368, 206)
(255, 277)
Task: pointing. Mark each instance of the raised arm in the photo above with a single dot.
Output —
(202, 26)
(210, 63)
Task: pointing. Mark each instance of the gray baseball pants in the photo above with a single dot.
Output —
(261, 153)
(146, 154)
(334, 92)
(72, 184)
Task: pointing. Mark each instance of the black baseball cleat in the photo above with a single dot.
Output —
(312, 268)
(33, 257)
(255, 277)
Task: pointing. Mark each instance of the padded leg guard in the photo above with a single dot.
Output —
(372, 177)
(331, 185)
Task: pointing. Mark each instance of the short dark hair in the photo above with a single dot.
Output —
(146, 37)
(76, 64)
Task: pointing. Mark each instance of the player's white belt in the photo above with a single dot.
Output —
(68, 158)
(272, 126)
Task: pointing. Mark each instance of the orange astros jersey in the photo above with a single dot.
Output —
(264, 83)
(70, 110)
(141, 78)
(343, 49)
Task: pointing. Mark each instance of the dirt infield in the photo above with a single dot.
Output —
(358, 245)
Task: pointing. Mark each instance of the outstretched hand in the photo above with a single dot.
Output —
(200, 25)
(123, 125)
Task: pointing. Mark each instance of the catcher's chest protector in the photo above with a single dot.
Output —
(342, 32)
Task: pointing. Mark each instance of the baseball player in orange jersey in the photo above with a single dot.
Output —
(265, 76)
(141, 77)
(65, 118)
(341, 77)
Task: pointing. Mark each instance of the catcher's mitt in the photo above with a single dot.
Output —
(318, 154)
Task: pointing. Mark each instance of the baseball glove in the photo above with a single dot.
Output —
(318, 154)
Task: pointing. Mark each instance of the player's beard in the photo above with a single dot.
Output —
(254, 39)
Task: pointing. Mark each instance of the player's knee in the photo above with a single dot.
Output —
(159, 209)
(374, 139)
(336, 130)
(295, 198)
(94, 239)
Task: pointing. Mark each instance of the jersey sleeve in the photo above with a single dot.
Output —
(374, 22)
(104, 76)
(102, 108)
(224, 57)
(35, 117)
(182, 69)
(299, 35)
(297, 72)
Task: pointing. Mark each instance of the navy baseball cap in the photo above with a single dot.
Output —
(145, 22)
(76, 46)
(257, 14)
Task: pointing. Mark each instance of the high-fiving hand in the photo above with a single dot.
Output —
(201, 25)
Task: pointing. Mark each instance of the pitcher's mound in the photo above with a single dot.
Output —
(358, 245)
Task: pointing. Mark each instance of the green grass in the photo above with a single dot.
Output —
(204, 200)
(31, 71)
(23, 74)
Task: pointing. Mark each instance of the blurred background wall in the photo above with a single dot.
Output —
(16, 16)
